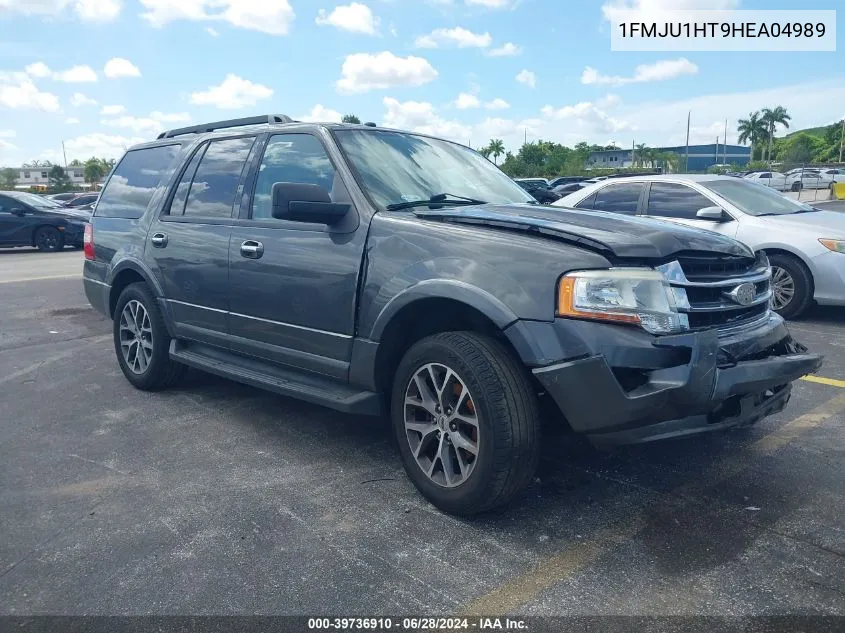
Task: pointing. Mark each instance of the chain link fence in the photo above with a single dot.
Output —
(807, 182)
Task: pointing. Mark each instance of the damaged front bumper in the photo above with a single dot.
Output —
(670, 386)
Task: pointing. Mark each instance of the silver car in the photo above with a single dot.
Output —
(806, 246)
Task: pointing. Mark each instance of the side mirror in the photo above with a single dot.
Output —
(300, 202)
(18, 211)
(715, 214)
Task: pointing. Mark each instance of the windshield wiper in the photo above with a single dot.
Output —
(438, 198)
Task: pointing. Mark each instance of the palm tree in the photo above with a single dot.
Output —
(773, 118)
(497, 148)
(753, 129)
(351, 118)
(640, 152)
(485, 151)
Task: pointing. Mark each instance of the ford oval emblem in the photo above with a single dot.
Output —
(743, 294)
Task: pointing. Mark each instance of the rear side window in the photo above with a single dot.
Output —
(177, 204)
(670, 200)
(135, 179)
(618, 198)
(216, 181)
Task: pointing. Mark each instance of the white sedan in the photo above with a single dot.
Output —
(808, 180)
(772, 179)
(838, 175)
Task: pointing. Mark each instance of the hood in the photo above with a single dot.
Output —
(618, 235)
(76, 213)
(827, 224)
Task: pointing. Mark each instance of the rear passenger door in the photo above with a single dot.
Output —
(680, 203)
(617, 197)
(292, 285)
(189, 241)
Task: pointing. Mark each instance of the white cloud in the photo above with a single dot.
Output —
(267, 16)
(235, 92)
(8, 134)
(458, 36)
(527, 77)
(649, 10)
(212, 32)
(71, 120)
(322, 114)
(609, 101)
(78, 99)
(421, 116)
(21, 93)
(497, 104)
(87, 10)
(362, 72)
(467, 101)
(354, 17)
(662, 70)
(38, 69)
(508, 49)
(76, 75)
(150, 125)
(113, 109)
(97, 10)
(118, 67)
(170, 117)
(100, 144)
(587, 115)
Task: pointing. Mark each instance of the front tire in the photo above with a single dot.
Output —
(466, 419)
(792, 286)
(141, 341)
(49, 239)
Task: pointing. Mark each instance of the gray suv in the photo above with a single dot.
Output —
(375, 271)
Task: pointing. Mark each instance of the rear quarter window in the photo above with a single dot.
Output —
(135, 180)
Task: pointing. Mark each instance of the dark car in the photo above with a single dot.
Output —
(376, 272)
(539, 189)
(27, 219)
(63, 197)
(565, 180)
(566, 188)
(82, 200)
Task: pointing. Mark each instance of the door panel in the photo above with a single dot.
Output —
(294, 304)
(680, 203)
(189, 242)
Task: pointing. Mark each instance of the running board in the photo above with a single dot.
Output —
(284, 381)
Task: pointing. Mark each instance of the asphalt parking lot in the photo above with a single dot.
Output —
(216, 498)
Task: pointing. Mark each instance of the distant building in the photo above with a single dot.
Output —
(39, 177)
(701, 157)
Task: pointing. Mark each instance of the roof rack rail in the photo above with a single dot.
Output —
(220, 125)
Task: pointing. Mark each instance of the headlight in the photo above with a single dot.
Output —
(837, 246)
(639, 296)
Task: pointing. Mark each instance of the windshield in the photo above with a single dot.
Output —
(396, 167)
(35, 201)
(755, 199)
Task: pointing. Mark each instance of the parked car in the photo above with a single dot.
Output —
(565, 180)
(838, 175)
(539, 189)
(63, 197)
(82, 200)
(27, 219)
(565, 189)
(808, 179)
(373, 270)
(772, 179)
(806, 246)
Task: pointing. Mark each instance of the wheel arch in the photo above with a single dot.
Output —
(128, 272)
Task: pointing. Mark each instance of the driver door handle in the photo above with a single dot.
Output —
(159, 240)
(251, 249)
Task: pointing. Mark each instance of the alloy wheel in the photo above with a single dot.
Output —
(136, 336)
(783, 288)
(441, 425)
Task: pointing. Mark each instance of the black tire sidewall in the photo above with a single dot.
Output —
(45, 230)
(803, 284)
(475, 490)
(150, 378)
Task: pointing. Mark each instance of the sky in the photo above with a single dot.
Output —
(102, 75)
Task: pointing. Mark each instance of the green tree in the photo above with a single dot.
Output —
(799, 148)
(752, 130)
(9, 177)
(774, 117)
(350, 118)
(57, 178)
(485, 151)
(640, 154)
(497, 148)
(75, 163)
(94, 170)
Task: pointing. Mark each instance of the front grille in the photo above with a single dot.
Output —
(713, 290)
